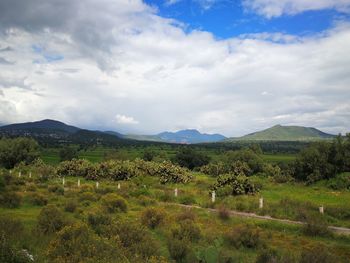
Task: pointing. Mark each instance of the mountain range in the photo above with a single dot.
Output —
(52, 130)
(285, 133)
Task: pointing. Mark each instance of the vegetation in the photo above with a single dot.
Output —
(143, 220)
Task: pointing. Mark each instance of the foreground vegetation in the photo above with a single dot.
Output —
(130, 209)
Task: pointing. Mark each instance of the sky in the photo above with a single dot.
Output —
(219, 66)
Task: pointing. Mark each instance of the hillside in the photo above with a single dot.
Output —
(188, 136)
(285, 133)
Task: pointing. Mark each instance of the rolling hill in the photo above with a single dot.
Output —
(285, 133)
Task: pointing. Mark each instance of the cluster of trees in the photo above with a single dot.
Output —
(124, 170)
(323, 160)
(14, 151)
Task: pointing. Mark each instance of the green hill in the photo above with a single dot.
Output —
(285, 133)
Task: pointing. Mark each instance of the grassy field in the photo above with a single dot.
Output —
(288, 200)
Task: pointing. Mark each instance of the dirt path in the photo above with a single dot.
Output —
(336, 229)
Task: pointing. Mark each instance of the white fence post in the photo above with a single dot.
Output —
(118, 186)
(78, 182)
(97, 185)
(321, 208)
(213, 195)
(175, 192)
(261, 203)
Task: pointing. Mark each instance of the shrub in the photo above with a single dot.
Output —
(340, 182)
(186, 214)
(244, 236)
(135, 238)
(10, 227)
(187, 200)
(70, 206)
(113, 202)
(318, 254)
(56, 189)
(31, 188)
(234, 185)
(178, 249)
(87, 196)
(153, 217)
(98, 220)
(11, 254)
(187, 230)
(316, 226)
(76, 243)
(38, 199)
(146, 201)
(11, 199)
(50, 220)
(224, 213)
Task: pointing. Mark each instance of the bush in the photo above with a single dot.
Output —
(11, 254)
(340, 182)
(316, 226)
(113, 202)
(153, 217)
(135, 238)
(178, 249)
(186, 214)
(146, 201)
(70, 206)
(38, 199)
(244, 236)
(99, 221)
(187, 200)
(50, 220)
(11, 199)
(318, 254)
(56, 189)
(87, 196)
(10, 227)
(234, 185)
(187, 230)
(224, 213)
(76, 243)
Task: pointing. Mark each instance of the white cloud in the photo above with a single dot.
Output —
(129, 60)
(275, 8)
(122, 119)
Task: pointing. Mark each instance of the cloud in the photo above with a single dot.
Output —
(122, 119)
(4, 61)
(276, 8)
(127, 59)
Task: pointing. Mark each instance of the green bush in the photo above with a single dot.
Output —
(76, 243)
(186, 214)
(146, 201)
(187, 230)
(10, 199)
(113, 202)
(224, 213)
(153, 217)
(56, 189)
(244, 236)
(187, 200)
(134, 238)
(70, 206)
(178, 249)
(38, 199)
(234, 185)
(10, 227)
(99, 221)
(340, 182)
(9, 253)
(316, 226)
(87, 196)
(50, 220)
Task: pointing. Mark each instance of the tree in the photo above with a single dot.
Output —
(14, 151)
(190, 158)
(68, 153)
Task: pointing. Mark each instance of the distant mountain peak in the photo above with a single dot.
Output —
(286, 133)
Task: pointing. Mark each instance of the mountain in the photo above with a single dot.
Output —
(43, 126)
(52, 131)
(184, 136)
(285, 133)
